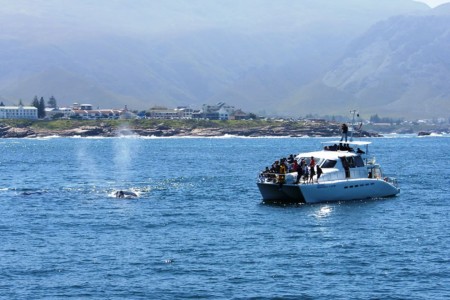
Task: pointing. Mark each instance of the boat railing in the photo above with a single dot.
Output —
(391, 180)
(277, 177)
(326, 176)
(291, 177)
(371, 160)
(268, 177)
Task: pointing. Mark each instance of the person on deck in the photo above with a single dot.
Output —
(294, 166)
(319, 172)
(305, 173)
(344, 129)
(281, 176)
(300, 171)
(312, 172)
(312, 162)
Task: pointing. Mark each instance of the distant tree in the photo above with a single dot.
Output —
(41, 108)
(310, 116)
(253, 116)
(20, 102)
(52, 102)
(58, 116)
(375, 119)
(1, 104)
(35, 102)
(141, 113)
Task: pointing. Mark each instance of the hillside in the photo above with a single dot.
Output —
(283, 57)
(399, 65)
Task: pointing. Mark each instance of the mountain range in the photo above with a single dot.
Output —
(284, 57)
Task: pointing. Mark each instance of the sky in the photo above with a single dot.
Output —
(434, 3)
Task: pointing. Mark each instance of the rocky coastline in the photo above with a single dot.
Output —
(318, 129)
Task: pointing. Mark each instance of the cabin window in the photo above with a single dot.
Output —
(328, 164)
(350, 161)
(359, 161)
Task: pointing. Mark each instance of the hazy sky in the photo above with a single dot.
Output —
(434, 3)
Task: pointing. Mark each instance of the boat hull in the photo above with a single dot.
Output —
(286, 193)
(341, 190)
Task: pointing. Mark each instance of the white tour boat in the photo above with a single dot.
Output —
(347, 174)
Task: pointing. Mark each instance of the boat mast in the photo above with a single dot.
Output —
(353, 112)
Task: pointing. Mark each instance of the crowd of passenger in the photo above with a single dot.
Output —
(306, 170)
(342, 147)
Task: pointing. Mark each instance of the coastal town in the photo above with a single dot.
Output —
(50, 111)
(210, 120)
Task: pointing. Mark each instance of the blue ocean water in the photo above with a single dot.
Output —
(200, 230)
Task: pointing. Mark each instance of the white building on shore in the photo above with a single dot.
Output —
(86, 112)
(160, 112)
(59, 112)
(18, 112)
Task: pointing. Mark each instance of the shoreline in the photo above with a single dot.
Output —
(317, 129)
(194, 128)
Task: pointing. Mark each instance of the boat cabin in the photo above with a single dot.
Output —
(339, 160)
